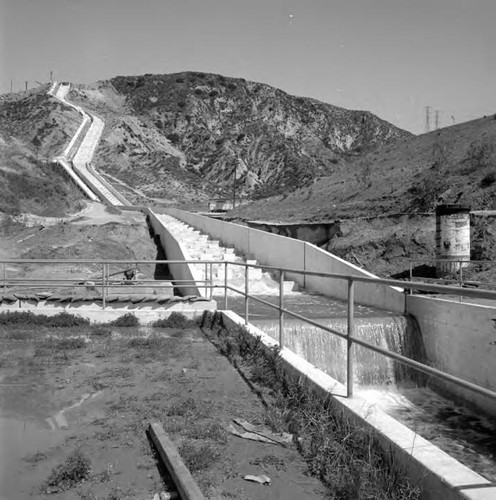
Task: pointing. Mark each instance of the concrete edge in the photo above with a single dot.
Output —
(438, 474)
(185, 484)
(95, 314)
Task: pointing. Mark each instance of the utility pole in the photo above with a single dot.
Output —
(437, 119)
(427, 118)
(11, 85)
(234, 186)
(51, 75)
(26, 82)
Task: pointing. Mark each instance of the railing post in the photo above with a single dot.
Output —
(461, 274)
(205, 275)
(103, 284)
(411, 276)
(4, 277)
(281, 313)
(349, 342)
(211, 281)
(225, 286)
(247, 289)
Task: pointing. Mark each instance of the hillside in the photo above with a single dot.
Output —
(34, 127)
(455, 164)
(182, 136)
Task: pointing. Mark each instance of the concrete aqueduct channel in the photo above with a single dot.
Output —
(77, 156)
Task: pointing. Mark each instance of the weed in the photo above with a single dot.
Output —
(175, 320)
(183, 407)
(128, 319)
(73, 471)
(199, 458)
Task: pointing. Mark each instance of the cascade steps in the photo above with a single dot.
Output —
(198, 246)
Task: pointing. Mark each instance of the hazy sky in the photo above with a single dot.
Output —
(392, 57)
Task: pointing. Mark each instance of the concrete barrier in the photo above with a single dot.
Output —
(460, 339)
(174, 251)
(280, 251)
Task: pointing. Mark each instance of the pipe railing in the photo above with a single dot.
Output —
(208, 283)
(461, 279)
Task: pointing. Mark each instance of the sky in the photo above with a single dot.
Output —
(390, 57)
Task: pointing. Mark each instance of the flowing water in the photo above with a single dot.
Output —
(398, 390)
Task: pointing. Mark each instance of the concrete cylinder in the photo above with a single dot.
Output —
(452, 238)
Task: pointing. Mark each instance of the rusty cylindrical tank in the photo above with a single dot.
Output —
(452, 238)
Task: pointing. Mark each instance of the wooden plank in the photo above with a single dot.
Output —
(185, 484)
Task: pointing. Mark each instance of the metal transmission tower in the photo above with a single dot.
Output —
(427, 118)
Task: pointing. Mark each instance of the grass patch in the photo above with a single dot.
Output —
(101, 331)
(346, 458)
(76, 469)
(57, 343)
(190, 407)
(150, 342)
(59, 320)
(211, 431)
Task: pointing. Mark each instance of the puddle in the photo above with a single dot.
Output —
(21, 440)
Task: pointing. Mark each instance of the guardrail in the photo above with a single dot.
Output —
(460, 280)
(105, 282)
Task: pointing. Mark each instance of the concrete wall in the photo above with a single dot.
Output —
(274, 250)
(317, 233)
(174, 251)
(460, 339)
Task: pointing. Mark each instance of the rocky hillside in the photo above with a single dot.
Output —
(35, 127)
(185, 136)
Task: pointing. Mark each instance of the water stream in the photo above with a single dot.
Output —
(399, 391)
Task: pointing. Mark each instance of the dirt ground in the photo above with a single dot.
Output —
(58, 396)
(97, 232)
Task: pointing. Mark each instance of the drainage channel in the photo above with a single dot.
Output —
(467, 436)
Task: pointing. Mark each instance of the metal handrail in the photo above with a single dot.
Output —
(351, 279)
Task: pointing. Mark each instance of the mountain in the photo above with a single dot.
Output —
(185, 136)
